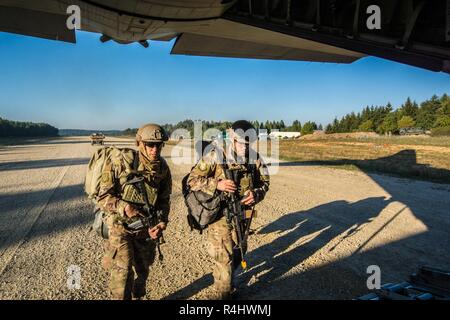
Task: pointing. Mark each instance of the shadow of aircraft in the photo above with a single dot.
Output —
(346, 278)
(64, 141)
(40, 164)
(278, 269)
(131, 142)
(17, 205)
(299, 235)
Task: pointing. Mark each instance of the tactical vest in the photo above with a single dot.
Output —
(124, 166)
(133, 192)
(246, 176)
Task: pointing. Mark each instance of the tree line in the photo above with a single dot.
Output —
(307, 128)
(10, 128)
(269, 126)
(432, 114)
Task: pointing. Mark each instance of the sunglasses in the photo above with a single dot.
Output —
(153, 144)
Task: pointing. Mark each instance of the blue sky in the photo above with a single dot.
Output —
(92, 85)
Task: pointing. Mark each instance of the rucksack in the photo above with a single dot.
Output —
(203, 208)
(117, 156)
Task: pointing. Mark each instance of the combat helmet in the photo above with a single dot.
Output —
(151, 133)
(243, 131)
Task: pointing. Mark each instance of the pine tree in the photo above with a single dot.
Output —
(406, 122)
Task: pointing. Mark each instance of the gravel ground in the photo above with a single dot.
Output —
(315, 235)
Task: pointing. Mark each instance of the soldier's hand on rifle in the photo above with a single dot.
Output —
(155, 232)
(249, 198)
(226, 185)
(131, 211)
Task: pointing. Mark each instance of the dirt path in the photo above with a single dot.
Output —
(317, 231)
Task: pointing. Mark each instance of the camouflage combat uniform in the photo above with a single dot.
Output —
(221, 238)
(125, 250)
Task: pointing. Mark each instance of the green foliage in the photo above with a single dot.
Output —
(428, 112)
(409, 109)
(442, 121)
(442, 131)
(129, 132)
(223, 126)
(432, 113)
(389, 124)
(406, 122)
(309, 128)
(26, 129)
(296, 126)
(366, 126)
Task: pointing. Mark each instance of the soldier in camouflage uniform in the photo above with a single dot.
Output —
(209, 176)
(126, 250)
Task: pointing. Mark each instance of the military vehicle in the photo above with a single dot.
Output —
(411, 131)
(97, 138)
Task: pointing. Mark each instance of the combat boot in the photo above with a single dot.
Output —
(219, 295)
(139, 291)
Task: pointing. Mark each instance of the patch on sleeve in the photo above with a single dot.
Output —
(107, 178)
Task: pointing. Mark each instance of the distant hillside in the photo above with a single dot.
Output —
(80, 132)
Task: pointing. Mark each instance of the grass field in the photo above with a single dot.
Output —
(414, 157)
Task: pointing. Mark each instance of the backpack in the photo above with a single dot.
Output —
(96, 165)
(203, 208)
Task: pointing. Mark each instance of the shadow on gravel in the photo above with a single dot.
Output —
(65, 141)
(192, 289)
(300, 235)
(315, 228)
(309, 231)
(277, 271)
(121, 142)
(15, 209)
(40, 164)
(25, 142)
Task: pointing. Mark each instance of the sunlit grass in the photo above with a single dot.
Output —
(416, 157)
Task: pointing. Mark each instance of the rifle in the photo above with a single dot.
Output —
(236, 216)
(152, 216)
